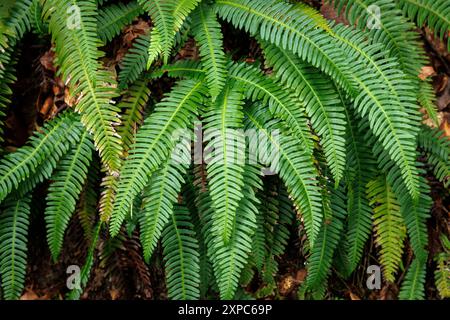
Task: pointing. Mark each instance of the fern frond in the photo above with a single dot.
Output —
(322, 251)
(181, 257)
(278, 214)
(437, 148)
(294, 166)
(229, 259)
(360, 169)
(168, 17)
(87, 266)
(113, 18)
(158, 201)
(426, 98)
(442, 272)
(321, 101)
(434, 14)
(76, 45)
(345, 56)
(135, 60)
(14, 222)
(413, 287)
(207, 33)
(63, 193)
(132, 105)
(154, 143)
(225, 163)
(54, 140)
(389, 225)
(283, 105)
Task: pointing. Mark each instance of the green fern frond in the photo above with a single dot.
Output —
(76, 45)
(442, 272)
(322, 251)
(67, 184)
(389, 225)
(132, 105)
(5, 91)
(135, 60)
(278, 214)
(181, 257)
(434, 14)
(158, 201)
(168, 17)
(283, 105)
(294, 166)
(87, 267)
(426, 98)
(360, 169)
(345, 56)
(437, 148)
(14, 222)
(54, 140)
(321, 101)
(413, 287)
(154, 144)
(225, 163)
(113, 18)
(207, 33)
(230, 259)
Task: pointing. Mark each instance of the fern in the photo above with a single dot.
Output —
(434, 14)
(14, 222)
(389, 226)
(207, 33)
(46, 146)
(134, 62)
(442, 273)
(87, 78)
(133, 106)
(168, 17)
(413, 285)
(321, 102)
(181, 257)
(113, 18)
(295, 169)
(327, 240)
(152, 141)
(224, 136)
(160, 196)
(68, 181)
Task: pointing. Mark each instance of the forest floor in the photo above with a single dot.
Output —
(119, 271)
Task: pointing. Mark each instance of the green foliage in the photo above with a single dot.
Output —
(336, 114)
(434, 14)
(442, 272)
(14, 222)
(389, 226)
(181, 256)
(63, 193)
(113, 18)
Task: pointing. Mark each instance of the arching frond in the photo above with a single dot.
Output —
(73, 26)
(226, 160)
(389, 225)
(14, 222)
(63, 193)
(114, 17)
(45, 147)
(154, 143)
(413, 286)
(181, 257)
(209, 36)
(322, 104)
(434, 14)
(294, 166)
